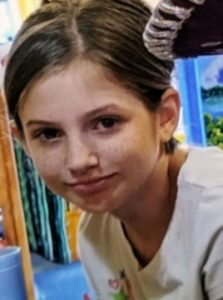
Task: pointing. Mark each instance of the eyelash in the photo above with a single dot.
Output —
(115, 120)
(42, 134)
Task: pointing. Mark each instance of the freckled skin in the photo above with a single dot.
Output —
(129, 149)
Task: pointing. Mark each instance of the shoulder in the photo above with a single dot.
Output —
(200, 188)
(203, 168)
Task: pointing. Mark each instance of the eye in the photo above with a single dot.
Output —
(48, 134)
(106, 123)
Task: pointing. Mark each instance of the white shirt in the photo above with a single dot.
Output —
(189, 263)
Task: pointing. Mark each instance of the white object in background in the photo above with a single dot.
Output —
(10, 19)
(152, 3)
(5, 24)
(15, 15)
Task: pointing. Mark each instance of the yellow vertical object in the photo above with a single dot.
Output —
(27, 6)
(72, 220)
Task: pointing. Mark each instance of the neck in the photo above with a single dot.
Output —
(147, 217)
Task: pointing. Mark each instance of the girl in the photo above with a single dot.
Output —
(96, 112)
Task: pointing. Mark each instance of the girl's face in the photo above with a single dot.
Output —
(93, 142)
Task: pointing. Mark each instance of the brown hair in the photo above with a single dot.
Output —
(107, 32)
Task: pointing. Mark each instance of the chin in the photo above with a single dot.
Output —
(99, 209)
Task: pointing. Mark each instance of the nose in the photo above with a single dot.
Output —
(80, 156)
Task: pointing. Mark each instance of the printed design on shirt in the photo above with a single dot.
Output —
(86, 297)
(120, 287)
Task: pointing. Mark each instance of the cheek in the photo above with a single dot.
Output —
(47, 165)
(45, 169)
(137, 156)
(130, 156)
(135, 145)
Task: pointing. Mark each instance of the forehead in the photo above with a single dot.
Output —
(80, 86)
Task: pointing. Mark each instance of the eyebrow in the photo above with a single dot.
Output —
(40, 122)
(87, 115)
(101, 109)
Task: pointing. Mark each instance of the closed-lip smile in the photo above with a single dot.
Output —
(92, 185)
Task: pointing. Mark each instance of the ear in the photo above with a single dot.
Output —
(168, 114)
(18, 135)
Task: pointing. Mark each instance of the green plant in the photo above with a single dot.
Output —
(214, 130)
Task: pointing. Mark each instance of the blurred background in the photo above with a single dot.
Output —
(50, 222)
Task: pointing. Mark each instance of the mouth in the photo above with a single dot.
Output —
(92, 186)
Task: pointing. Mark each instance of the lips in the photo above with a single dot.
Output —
(92, 186)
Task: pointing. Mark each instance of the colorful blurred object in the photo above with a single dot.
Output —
(200, 83)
